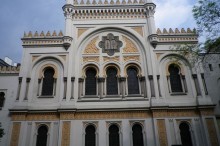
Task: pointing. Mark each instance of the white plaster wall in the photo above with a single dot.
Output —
(8, 84)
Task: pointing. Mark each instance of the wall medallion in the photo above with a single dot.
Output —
(110, 44)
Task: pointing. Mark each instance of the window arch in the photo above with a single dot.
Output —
(175, 78)
(114, 139)
(90, 84)
(2, 99)
(137, 135)
(42, 136)
(112, 81)
(132, 81)
(90, 137)
(185, 134)
(48, 81)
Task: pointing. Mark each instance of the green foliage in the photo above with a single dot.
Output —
(207, 16)
(1, 131)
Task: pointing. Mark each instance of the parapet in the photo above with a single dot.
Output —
(177, 36)
(9, 70)
(42, 34)
(107, 2)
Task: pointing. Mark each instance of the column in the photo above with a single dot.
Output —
(152, 85)
(19, 88)
(101, 87)
(196, 84)
(65, 87)
(72, 89)
(27, 88)
(80, 91)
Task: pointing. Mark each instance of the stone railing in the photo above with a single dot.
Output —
(9, 69)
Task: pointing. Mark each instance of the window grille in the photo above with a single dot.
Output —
(42, 136)
(175, 80)
(90, 85)
(90, 138)
(133, 83)
(114, 136)
(48, 82)
(137, 135)
(112, 81)
(185, 134)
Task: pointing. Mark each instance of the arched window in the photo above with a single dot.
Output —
(185, 134)
(2, 99)
(48, 82)
(90, 85)
(137, 135)
(114, 136)
(133, 83)
(42, 136)
(90, 138)
(112, 81)
(175, 80)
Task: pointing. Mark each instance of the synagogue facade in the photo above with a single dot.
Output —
(110, 79)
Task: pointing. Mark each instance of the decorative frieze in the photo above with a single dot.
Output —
(42, 117)
(175, 113)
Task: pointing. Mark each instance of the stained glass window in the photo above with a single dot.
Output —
(133, 83)
(90, 138)
(137, 135)
(175, 80)
(48, 82)
(42, 136)
(185, 134)
(112, 81)
(114, 136)
(90, 85)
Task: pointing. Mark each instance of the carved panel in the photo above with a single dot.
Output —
(91, 47)
(66, 133)
(114, 59)
(131, 58)
(90, 59)
(15, 134)
(63, 56)
(130, 47)
(110, 44)
(212, 132)
(207, 112)
(138, 30)
(162, 132)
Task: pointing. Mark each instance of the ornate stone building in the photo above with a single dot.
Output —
(109, 80)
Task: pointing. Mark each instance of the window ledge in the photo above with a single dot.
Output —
(112, 96)
(48, 96)
(178, 93)
(90, 96)
(134, 95)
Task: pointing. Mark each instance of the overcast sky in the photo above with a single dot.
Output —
(18, 16)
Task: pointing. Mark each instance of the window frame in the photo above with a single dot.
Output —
(118, 85)
(85, 125)
(138, 79)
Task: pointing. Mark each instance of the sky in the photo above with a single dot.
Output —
(19, 16)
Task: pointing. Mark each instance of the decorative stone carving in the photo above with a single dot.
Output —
(162, 132)
(130, 47)
(15, 134)
(91, 47)
(66, 133)
(131, 58)
(110, 44)
(42, 117)
(212, 131)
(114, 59)
(81, 31)
(90, 59)
(138, 30)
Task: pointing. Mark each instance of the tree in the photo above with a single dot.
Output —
(207, 16)
(1, 131)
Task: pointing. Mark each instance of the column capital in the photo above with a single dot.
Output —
(101, 79)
